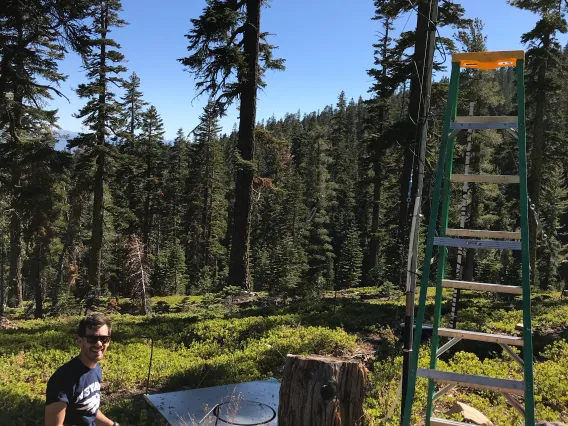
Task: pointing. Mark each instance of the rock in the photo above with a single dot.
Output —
(470, 414)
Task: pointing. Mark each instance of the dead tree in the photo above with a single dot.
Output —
(138, 274)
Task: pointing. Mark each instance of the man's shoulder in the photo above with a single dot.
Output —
(58, 386)
(65, 368)
(65, 372)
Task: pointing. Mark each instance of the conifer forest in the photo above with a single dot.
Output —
(295, 210)
(291, 205)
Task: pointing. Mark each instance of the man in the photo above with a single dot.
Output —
(73, 392)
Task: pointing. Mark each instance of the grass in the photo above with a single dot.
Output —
(201, 341)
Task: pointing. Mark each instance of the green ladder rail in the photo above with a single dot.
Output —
(478, 239)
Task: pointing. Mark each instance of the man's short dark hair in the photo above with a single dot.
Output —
(94, 321)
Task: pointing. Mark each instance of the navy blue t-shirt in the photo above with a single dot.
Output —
(79, 386)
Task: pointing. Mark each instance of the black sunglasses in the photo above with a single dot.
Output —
(91, 340)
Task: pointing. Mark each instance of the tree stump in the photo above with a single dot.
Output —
(321, 391)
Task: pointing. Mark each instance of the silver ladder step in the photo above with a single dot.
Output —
(496, 179)
(475, 233)
(434, 421)
(494, 288)
(485, 122)
(516, 387)
(481, 337)
(477, 244)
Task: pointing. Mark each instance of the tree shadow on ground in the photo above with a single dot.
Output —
(61, 335)
(133, 410)
(20, 410)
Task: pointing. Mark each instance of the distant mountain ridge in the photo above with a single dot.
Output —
(64, 136)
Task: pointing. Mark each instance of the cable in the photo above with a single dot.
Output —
(426, 165)
(420, 79)
(406, 23)
(435, 24)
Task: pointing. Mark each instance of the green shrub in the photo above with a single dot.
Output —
(198, 346)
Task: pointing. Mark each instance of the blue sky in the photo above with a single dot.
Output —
(327, 45)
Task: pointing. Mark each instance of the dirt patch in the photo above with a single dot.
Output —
(6, 324)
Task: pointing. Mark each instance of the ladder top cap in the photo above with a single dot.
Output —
(488, 60)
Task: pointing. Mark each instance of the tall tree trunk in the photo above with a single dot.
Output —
(158, 234)
(2, 289)
(132, 122)
(374, 245)
(98, 201)
(469, 267)
(147, 220)
(239, 262)
(73, 225)
(409, 170)
(15, 284)
(98, 226)
(207, 205)
(403, 101)
(37, 278)
(463, 217)
(537, 157)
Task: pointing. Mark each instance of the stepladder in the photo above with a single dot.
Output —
(518, 393)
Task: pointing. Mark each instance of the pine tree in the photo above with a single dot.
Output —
(491, 153)
(132, 108)
(383, 88)
(207, 214)
(233, 46)
(69, 257)
(174, 206)
(33, 37)
(343, 170)
(317, 196)
(176, 178)
(41, 203)
(2, 269)
(125, 177)
(169, 276)
(349, 260)
(363, 188)
(541, 85)
(290, 259)
(149, 151)
(278, 239)
(206, 134)
(102, 115)
(483, 89)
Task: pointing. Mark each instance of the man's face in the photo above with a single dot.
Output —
(94, 348)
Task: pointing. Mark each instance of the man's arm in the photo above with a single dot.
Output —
(55, 413)
(102, 420)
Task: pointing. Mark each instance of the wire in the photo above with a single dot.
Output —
(420, 79)
(426, 165)
(406, 23)
(435, 24)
